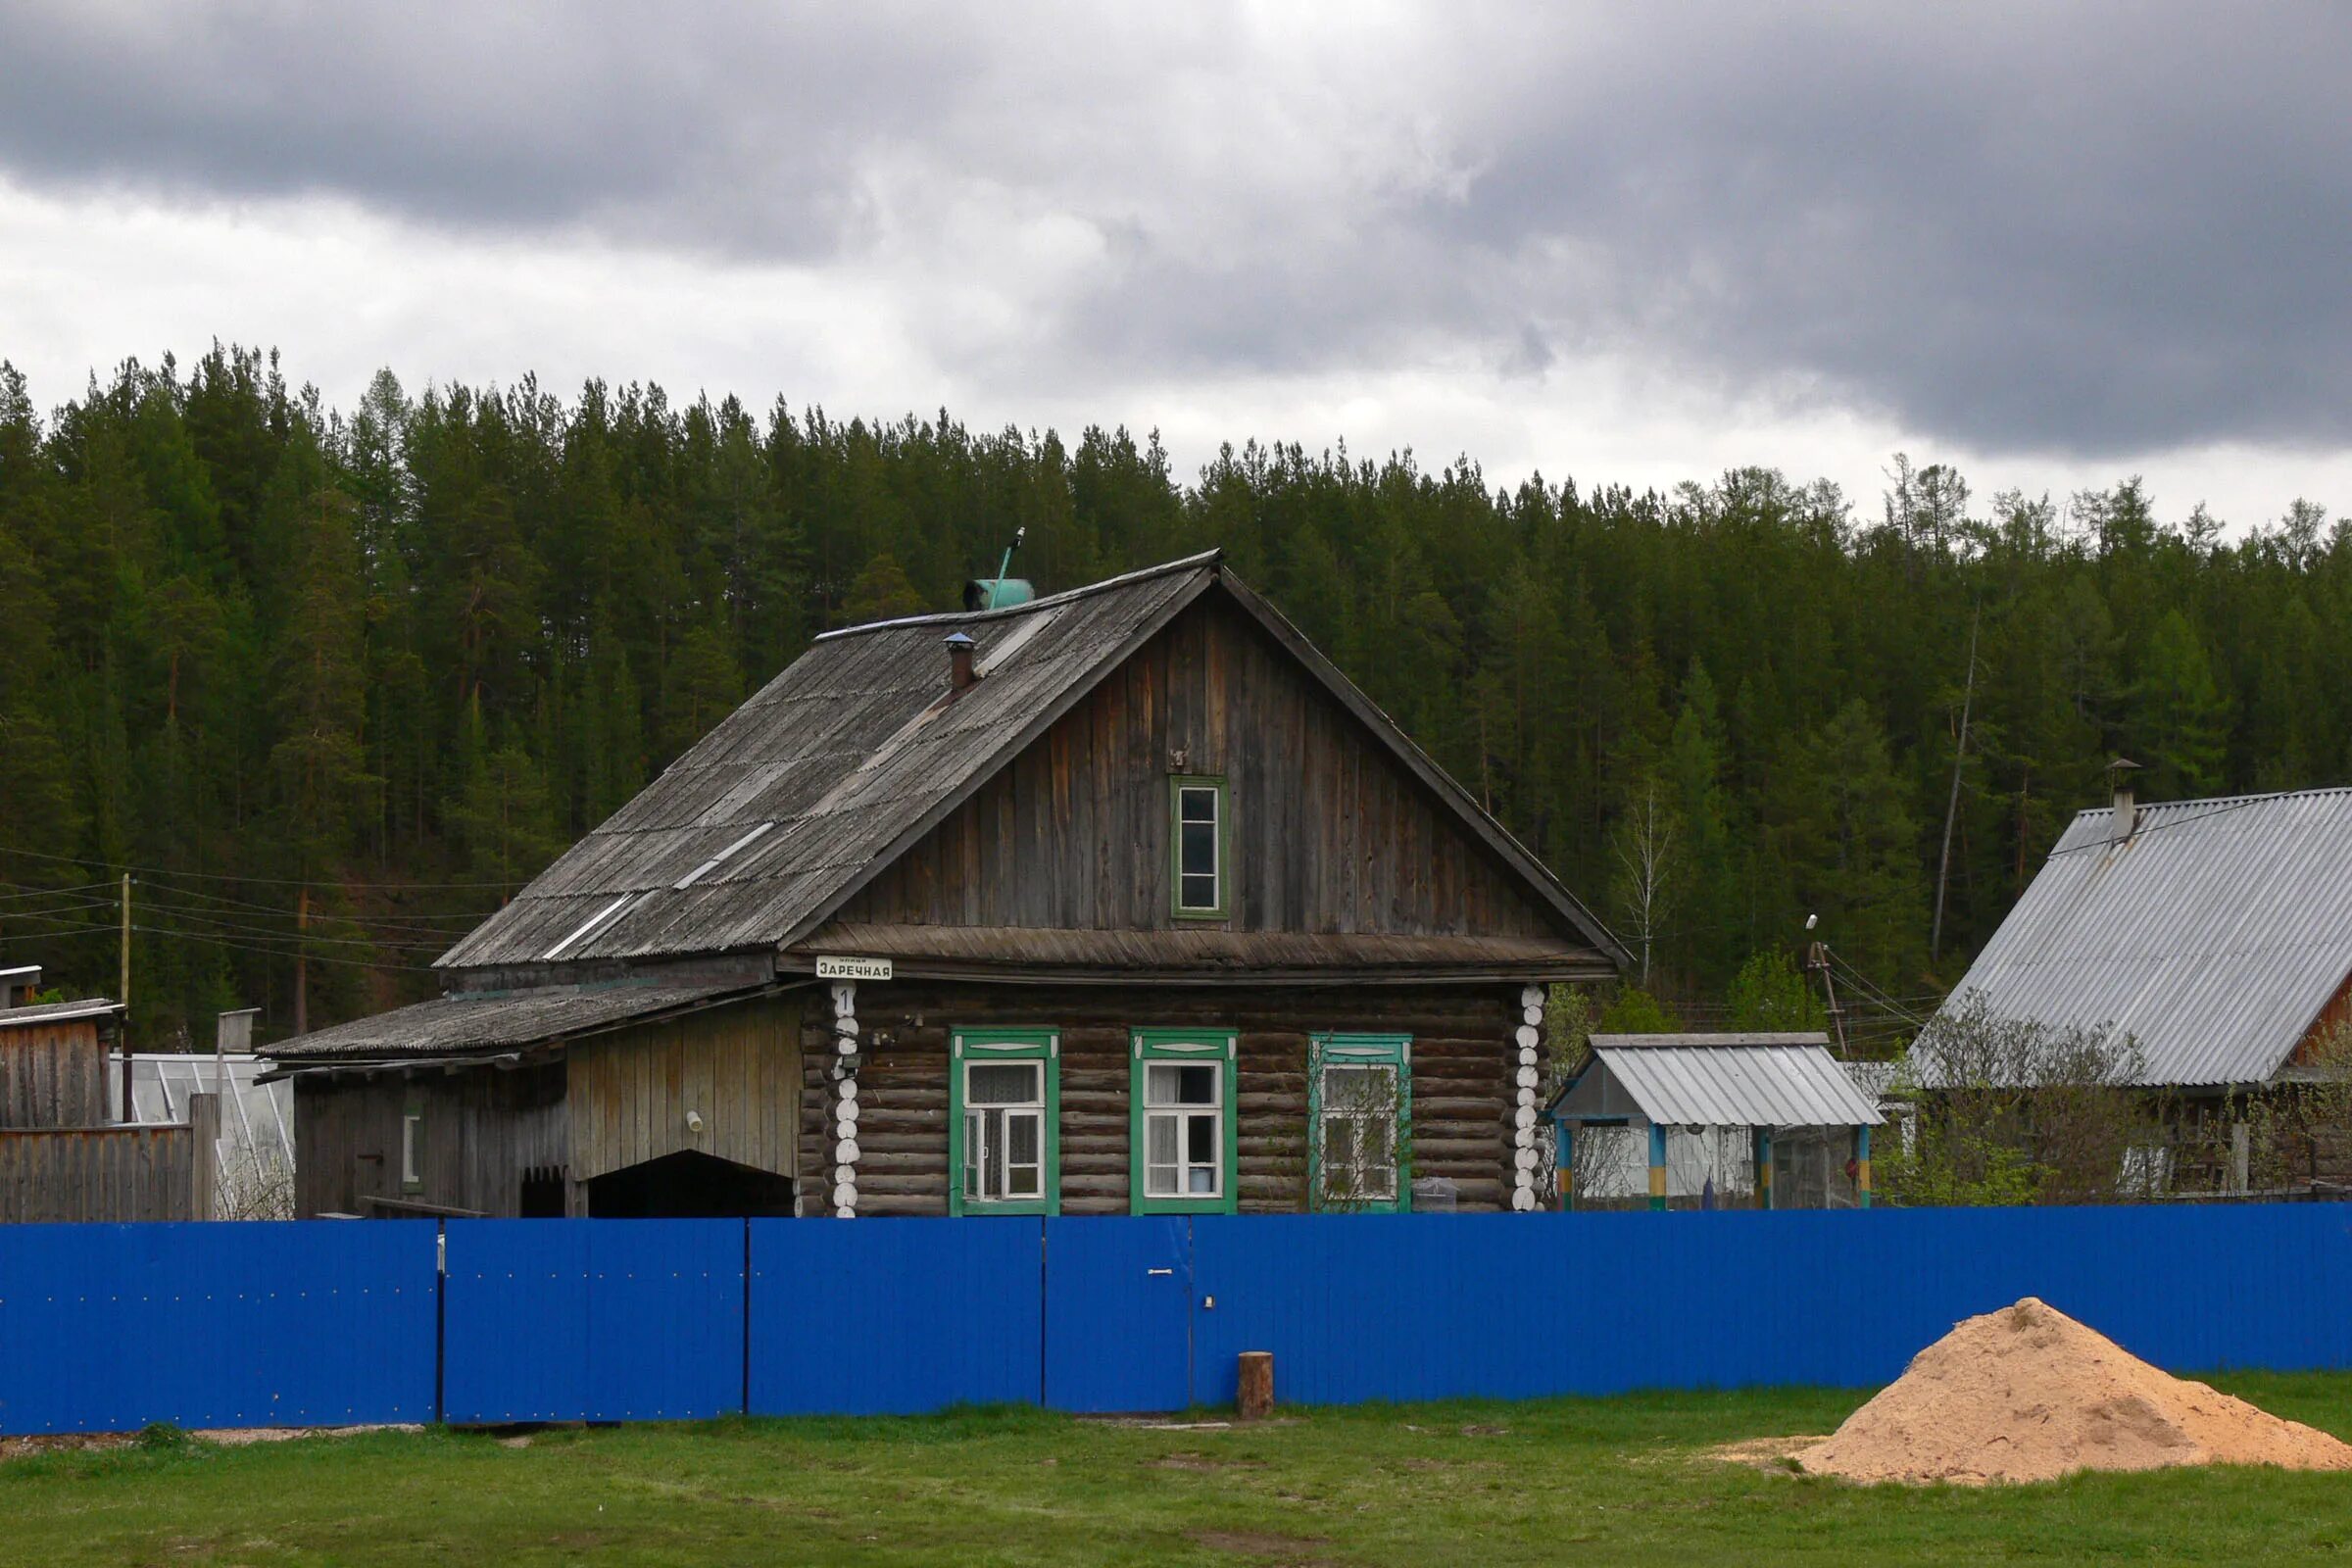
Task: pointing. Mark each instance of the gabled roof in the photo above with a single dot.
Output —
(2214, 934)
(780, 815)
(1728, 1080)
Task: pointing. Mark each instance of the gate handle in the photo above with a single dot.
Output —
(1151, 1271)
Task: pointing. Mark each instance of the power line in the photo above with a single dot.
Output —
(256, 881)
(274, 952)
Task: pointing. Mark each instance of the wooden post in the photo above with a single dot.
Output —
(1763, 1166)
(1657, 1166)
(124, 978)
(204, 1183)
(1862, 1166)
(1255, 1399)
(1564, 1163)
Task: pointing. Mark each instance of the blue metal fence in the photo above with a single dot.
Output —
(894, 1316)
(593, 1320)
(107, 1327)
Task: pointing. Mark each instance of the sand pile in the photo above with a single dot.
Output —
(2028, 1394)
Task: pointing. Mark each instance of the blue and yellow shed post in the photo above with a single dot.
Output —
(1763, 1154)
(1657, 1166)
(1862, 1166)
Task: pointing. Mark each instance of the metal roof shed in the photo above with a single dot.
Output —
(1762, 1083)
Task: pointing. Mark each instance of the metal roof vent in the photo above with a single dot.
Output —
(2126, 820)
(960, 673)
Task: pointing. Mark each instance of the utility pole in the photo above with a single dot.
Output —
(1951, 809)
(124, 984)
(1817, 959)
(302, 961)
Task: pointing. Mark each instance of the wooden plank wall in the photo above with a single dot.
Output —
(737, 1065)
(1330, 833)
(114, 1175)
(1461, 1083)
(54, 1075)
(483, 1128)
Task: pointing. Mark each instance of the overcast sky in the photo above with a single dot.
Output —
(1635, 244)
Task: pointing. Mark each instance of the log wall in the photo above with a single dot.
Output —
(1461, 1082)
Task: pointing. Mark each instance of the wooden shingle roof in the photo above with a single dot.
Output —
(776, 817)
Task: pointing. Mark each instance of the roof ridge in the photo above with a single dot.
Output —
(941, 617)
(2219, 801)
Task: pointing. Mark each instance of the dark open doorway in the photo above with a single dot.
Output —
(688, 1186)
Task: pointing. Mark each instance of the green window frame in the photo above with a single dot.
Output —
(1169, 1109)
(1345, 1120)
(990, 1130)
(1189, 795)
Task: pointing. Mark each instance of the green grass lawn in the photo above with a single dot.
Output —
(1466, 1484)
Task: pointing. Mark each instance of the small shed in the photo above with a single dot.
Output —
(1782, 1098)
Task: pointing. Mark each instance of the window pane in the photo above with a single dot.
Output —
(1197, 1086)
(1199, 892)
(1003, 1083)
(1379, 1135)
(992, 1173)
(1160, 1140)
(1159, 1181)
(1200, 849)
(1159, 1085)
(1339, 1142)
(1197, 803)
(1201, 1140)
(1365, 1088)
(972, 1138)
(1022, 1134)
(1202, 1181)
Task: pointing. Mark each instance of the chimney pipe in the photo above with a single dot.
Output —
(960, 673)
(2125, 816)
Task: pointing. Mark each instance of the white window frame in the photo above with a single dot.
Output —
(978, 1140)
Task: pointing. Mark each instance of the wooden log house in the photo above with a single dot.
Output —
(1121, 899)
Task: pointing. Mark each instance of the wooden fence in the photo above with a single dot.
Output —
(115, 1174)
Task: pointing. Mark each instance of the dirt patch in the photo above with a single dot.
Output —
(2028, 1394)
(64, 1443)
(1259, 1543)
(241, 1437)
(1765, 1454)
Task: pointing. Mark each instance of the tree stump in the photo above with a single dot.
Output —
(1256, 1396)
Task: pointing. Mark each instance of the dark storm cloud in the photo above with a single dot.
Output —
(2085, 230)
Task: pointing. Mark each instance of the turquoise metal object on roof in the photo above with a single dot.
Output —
(997, 593)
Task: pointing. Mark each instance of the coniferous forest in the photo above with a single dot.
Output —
(327, 682)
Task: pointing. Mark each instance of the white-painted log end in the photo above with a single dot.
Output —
(1524, 1118)
(846, 1113)
(1525, 1160)
(1527, 1098)
(1532, 1016)
(844, 1175)
(1531, 995)
(1525, 1078)
(847, 1088)
(847, 1045)
(845, 1153)
(1528, 1037)
(1522, 1201)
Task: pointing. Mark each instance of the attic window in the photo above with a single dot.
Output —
(723, 856)
(1200, 835)
(593, 924)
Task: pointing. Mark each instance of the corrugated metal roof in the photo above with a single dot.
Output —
(2214, 935)
(487, 1020)
(1752, 1080)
